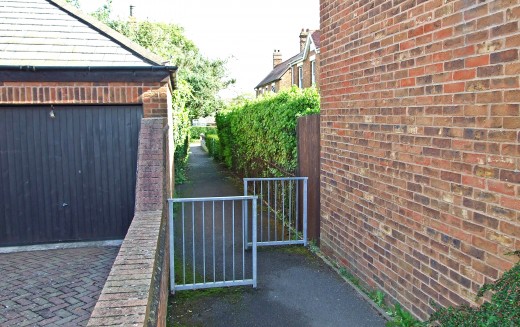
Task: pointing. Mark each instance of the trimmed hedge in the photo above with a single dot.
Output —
(181, 130)
(213, 146)
(259, 136)
(195, 131)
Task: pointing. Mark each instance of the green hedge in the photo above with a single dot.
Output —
(181, 130)
(259, 136)
(213, 146)
(195, 131)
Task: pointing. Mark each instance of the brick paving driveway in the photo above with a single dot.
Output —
(52, 287)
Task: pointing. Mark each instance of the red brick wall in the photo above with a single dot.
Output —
(136, 290)
(153, 96)
(420, 144)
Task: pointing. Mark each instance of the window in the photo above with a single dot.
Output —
(292, 76)
(273, 88)
(300, 77)
(313, 72)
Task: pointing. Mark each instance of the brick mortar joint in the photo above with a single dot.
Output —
(123, 256)
(142, 221)
(442, 169)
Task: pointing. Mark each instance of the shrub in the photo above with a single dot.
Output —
(195, 131)
(181, 129)
(213, 145)
(502, 310)
(259, 136)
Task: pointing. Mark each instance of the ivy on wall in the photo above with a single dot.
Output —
(259, 136)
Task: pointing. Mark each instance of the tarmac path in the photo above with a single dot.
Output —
(295, 288)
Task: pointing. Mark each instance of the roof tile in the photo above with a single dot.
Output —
(279, 70)
(45, 33)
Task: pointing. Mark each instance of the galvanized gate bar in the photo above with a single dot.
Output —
(199, 247)
(279, 203)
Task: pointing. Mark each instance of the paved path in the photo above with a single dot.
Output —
(52, 287)
(295, 288)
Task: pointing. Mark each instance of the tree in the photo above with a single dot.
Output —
(241, 99)
(103, 13)
(74, 3)
(202, 78)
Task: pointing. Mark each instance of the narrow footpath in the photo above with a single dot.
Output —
(295, 288)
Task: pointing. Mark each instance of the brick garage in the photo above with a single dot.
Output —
(72, 97)
(54, 83)
(420, 144)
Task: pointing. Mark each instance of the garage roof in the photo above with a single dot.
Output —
(53, 33)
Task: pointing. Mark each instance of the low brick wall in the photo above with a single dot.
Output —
(136, 291)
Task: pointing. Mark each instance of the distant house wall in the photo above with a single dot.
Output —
(317, 68)
(307, 74)
(420, 144)
(291, 65)
(285, 82)
(307, 70)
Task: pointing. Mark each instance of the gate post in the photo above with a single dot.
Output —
(254, 240)
(245, 214)
(305, 212)
(172, 257)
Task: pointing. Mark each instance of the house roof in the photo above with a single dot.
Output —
(53, 33)
(316, 38)
(279, 70)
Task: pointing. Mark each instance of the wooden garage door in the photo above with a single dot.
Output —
(67, 174)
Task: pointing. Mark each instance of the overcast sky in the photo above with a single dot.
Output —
(244, 31)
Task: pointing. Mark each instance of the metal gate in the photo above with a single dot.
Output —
(207, 242)
(282, 210)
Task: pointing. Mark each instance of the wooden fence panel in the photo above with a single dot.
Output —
(308, 131)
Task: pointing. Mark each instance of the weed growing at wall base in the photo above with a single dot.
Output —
(399, 316)
(502, 310)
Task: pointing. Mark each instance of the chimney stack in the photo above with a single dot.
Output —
(304, 34)
(277, 58)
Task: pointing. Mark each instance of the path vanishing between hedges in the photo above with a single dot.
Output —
(295, 288)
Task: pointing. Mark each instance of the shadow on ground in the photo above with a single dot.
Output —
(295, 288)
